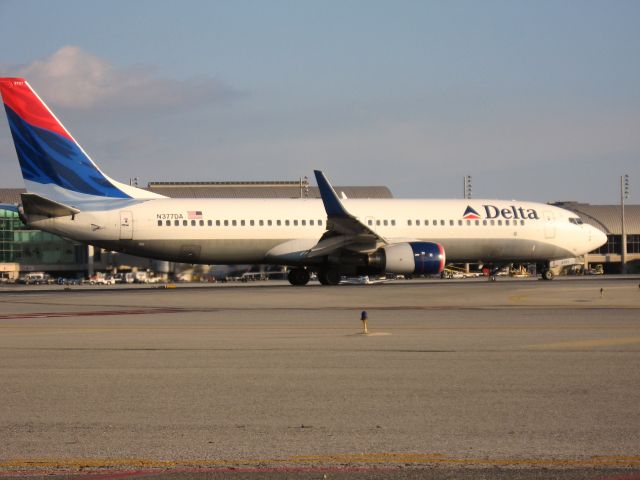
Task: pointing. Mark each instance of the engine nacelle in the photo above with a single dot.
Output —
(421, 258)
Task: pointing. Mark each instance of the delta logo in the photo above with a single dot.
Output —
(470, 214)
(508, 213)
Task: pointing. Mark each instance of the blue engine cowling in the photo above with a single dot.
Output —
(420, 258)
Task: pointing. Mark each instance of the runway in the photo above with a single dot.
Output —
(517, 376)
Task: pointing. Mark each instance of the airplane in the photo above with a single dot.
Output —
(69, 195)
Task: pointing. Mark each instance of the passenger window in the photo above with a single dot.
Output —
(261, 222)
(378, 223)
(507, 222)
(226, 223)
(159, 223)
(185, 223)
(435, 223)
(484, 222)
(234, 223)
(295, 223)
(242, 223)
(442, 222)
(176, 222)
(193, 223)
(286, 222)
(209, 223)
(217, 223)
(499, 222)
(303, 222)
(521, 222)
(459, 223)
(409, 222)
(468, 222)
(426, 223)
(202, 223)
(493, 222)
(278, 222)
(451, 222)
(370, 222)
(386, 223)
(269, 222)
(311, 222)
(393, 222)
(319, 223)
(251, 222)
(168, 223)
(477, 222)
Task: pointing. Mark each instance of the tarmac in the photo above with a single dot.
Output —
(456, 379)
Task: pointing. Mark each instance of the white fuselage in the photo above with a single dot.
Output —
(280, 231)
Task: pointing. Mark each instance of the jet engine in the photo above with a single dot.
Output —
(420, 258)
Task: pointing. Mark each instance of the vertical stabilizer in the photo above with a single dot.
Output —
(53, 164)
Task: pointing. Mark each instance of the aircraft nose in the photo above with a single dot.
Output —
(598, 237)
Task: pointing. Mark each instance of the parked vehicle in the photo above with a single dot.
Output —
(101, 280)
(35, 278)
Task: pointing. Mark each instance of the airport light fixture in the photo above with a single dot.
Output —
(624, 195)
(467, 187)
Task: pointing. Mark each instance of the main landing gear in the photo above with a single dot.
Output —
(298, 276)
(329, 277)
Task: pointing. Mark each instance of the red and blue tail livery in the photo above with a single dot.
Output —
(52, 162)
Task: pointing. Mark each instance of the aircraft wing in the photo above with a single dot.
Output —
(344, 231)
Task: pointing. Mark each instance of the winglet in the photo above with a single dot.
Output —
(330, 199)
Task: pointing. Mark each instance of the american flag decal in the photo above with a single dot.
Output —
(194, 215)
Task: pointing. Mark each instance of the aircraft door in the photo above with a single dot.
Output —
(126, 225)
(549, 225)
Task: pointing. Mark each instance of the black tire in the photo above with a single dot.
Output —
(547, 275)
(329, 277)
(298, 277)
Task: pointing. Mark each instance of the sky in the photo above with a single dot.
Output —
(535, 100)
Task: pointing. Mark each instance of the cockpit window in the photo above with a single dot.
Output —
(576, 221)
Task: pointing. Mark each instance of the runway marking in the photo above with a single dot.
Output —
(91, 313)
(345, 460)
(604, 342)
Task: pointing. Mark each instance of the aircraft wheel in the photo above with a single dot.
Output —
(298, 277)
(547, 275)
(329, 277)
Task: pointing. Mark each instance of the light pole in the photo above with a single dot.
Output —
(467, 186)
(624, 194)
(467, 195)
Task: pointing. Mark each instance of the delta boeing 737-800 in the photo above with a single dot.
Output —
(68, 195)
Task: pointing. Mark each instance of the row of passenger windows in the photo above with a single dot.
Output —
(312, 223)
(442, 223)
(241, 223)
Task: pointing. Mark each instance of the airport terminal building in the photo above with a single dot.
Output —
(26, 250)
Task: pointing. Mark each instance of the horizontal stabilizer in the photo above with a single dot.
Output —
(34, 204)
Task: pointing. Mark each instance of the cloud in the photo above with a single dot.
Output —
(75, 79)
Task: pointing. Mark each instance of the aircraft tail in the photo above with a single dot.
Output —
(53, 164)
